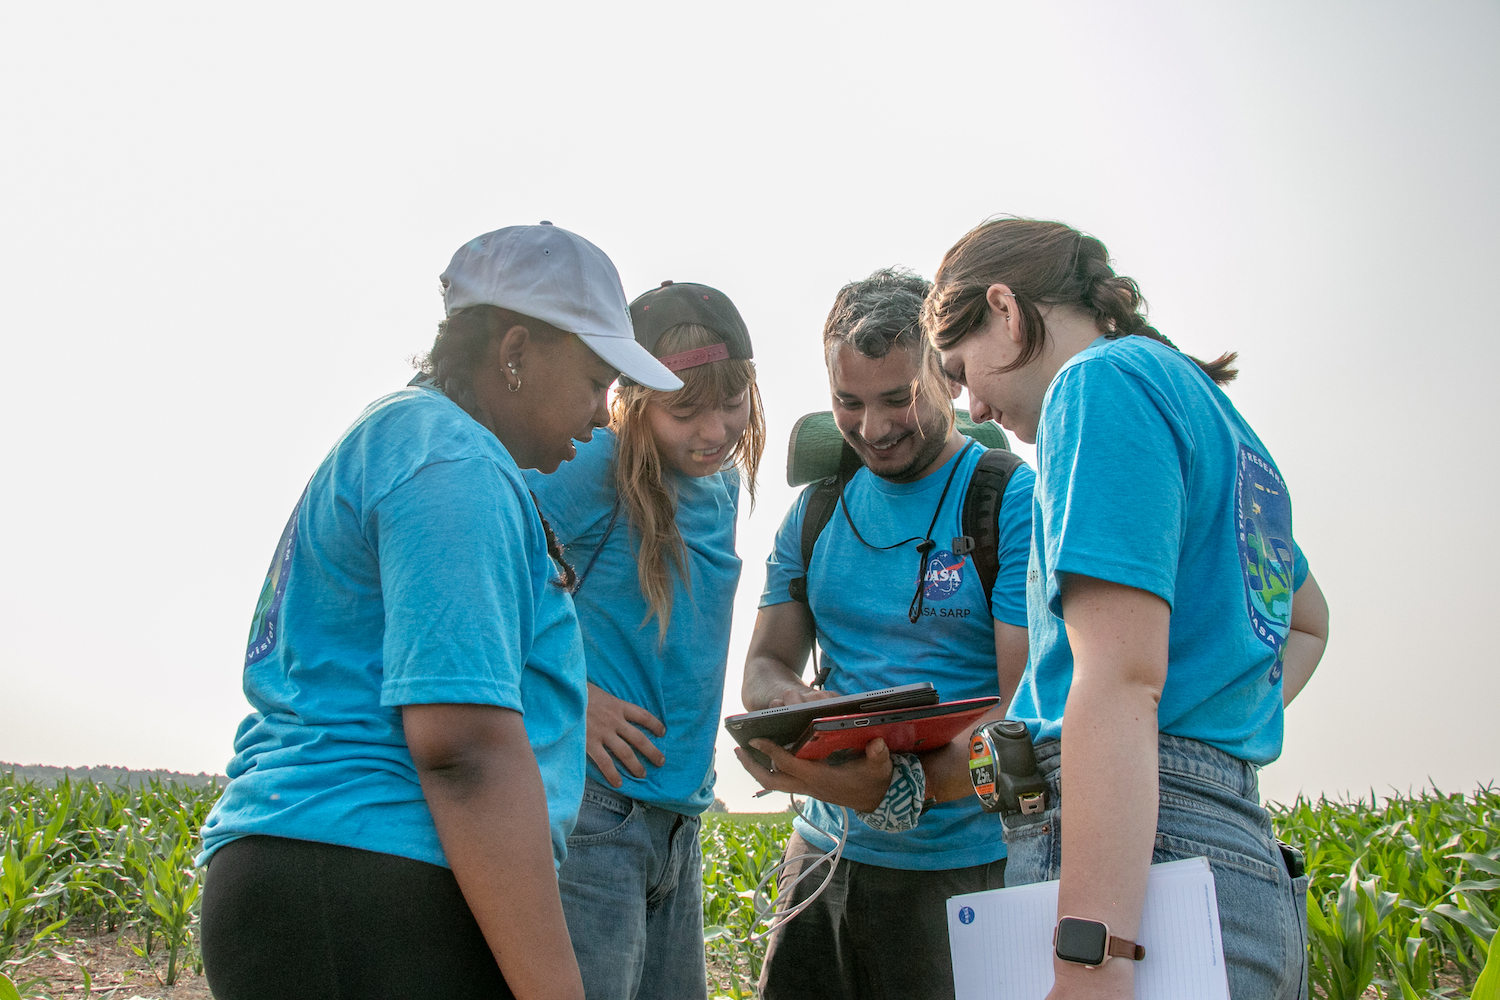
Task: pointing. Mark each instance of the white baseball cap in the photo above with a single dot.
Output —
(560, 278)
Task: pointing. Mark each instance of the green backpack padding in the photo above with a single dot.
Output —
(817, 447)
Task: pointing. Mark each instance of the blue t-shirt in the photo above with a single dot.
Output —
(413, 571)
(860, 599)
(679, 677)
(1148, 477)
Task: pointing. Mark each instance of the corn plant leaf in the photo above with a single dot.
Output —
(1483, 862)
(8, 989)
(1463, 917)
(1487, 986)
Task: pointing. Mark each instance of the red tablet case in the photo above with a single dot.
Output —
(910, 730)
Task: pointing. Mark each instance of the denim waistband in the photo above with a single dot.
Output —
(602, 794)
(1180, 755)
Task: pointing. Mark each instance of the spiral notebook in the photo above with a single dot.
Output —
(1002, 939)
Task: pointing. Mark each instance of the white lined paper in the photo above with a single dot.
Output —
(1001, 940)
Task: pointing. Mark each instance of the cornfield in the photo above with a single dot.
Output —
(78, 857)
(1403, 900)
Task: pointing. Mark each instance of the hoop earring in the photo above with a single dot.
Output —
(517, 387)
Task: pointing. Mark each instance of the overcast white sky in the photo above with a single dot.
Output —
(221, 228)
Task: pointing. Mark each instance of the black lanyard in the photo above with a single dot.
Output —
(925, 544)
(614, 516)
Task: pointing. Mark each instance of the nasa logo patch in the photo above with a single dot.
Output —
(966, 915)
(944, 575)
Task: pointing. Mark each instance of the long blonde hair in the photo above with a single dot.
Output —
(647, 499)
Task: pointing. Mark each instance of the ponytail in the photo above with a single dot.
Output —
(1043, 263)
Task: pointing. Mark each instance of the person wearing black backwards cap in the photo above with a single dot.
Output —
(401, 793)
(648, 510)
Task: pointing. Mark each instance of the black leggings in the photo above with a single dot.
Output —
(291, 919)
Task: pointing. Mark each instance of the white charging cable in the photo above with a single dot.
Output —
(772, 913)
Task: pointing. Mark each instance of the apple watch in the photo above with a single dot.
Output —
(1089, 942)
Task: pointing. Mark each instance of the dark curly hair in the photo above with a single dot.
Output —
(882, 312)
(876, 314)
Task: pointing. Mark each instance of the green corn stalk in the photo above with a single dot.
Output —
(170, 889)
(1345, 943)
(1487, 986)
(736, 855)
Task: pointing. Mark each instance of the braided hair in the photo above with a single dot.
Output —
(462, 341)
(1042, 263)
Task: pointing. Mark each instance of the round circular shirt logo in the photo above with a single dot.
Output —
(944, 575)
(966, 915)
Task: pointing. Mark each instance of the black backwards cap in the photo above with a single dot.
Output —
(675, 303)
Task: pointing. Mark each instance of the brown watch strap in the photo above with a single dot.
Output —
(1121, 948)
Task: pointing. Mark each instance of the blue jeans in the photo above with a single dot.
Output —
(632, 890)
(1210, 807)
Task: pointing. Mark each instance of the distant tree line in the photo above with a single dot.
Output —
(108, 775)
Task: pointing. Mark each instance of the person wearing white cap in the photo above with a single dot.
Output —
(402, 792)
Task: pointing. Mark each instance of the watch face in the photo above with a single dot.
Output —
(1081, 941)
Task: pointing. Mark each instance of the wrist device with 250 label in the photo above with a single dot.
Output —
(1002, 768)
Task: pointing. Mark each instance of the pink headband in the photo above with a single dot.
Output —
(696, 357)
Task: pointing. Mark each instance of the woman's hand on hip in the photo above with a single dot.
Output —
(615, 733)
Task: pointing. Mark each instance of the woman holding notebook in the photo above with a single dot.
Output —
(1171, 613)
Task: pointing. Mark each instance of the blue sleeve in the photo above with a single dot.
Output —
(1300, 571)
(785, 562)
(1008, 599)
(1111, 480)
(581, 493)
(453, 544)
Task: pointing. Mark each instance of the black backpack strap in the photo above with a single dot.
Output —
(981, 512)
(824, 500)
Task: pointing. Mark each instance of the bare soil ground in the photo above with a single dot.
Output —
(118, 972)
(720, 981)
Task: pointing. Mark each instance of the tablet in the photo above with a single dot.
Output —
(786, 723)
(913, 730)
